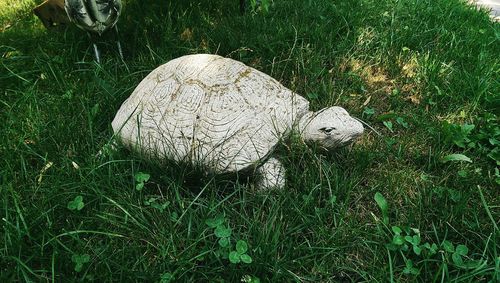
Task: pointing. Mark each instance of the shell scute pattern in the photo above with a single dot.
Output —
(208, 110)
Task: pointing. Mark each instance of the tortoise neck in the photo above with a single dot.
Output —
(304, 121)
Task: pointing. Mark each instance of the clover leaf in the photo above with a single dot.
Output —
(76, 204)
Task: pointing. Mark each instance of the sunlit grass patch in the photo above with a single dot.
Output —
(12, 11)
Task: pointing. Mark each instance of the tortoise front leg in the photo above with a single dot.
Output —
(270, 175)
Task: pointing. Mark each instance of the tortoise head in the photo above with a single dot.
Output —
(330, 127)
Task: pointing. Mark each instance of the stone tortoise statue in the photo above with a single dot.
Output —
(224, 116)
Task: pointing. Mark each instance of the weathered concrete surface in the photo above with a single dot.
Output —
(221, 115)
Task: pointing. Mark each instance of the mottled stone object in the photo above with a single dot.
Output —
(224, 116)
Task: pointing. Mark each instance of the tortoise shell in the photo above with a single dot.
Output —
(210, 111)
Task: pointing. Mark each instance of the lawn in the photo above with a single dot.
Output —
(416, 199)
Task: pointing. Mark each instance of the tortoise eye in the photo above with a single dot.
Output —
(327, 130)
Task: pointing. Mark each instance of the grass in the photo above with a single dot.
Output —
(425, 68)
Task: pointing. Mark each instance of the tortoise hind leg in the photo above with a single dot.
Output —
(270, 175)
